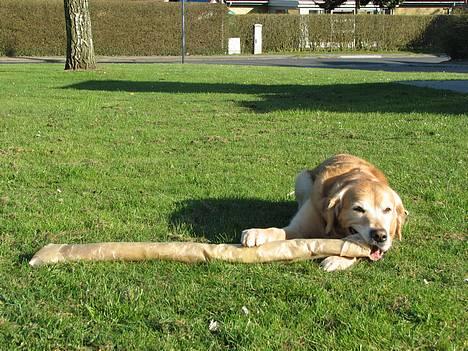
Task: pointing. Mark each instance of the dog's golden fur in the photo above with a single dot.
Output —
(343, 196)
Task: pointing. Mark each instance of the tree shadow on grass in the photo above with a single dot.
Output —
(364, 97)
(222, 220)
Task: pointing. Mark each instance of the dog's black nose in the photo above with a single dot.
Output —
(379, 235)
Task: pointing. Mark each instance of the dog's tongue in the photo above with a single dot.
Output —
(376, 254)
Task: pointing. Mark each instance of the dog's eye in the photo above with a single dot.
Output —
(387, 210)
(359, 209)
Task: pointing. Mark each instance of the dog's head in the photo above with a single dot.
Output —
(369, 209)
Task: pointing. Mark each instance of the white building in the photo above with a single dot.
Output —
(305, 7)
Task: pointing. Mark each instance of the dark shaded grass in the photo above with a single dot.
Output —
(362, 97)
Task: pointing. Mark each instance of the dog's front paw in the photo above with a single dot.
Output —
(336, 263)
(254, 237)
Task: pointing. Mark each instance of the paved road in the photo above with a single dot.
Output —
(390, 63)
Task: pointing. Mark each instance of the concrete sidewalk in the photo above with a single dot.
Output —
(459, 86)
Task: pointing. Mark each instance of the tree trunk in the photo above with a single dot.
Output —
(80, 50)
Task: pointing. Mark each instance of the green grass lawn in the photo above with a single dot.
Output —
(172, 152)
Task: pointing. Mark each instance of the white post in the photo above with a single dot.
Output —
(234, 47)
(257, 49)
(183, 32)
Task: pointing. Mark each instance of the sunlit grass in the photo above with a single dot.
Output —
(171, 152)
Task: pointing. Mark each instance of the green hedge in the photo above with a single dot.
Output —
(37, 27)
(280, 32)
(149, 28)
(290, 33)
(145, 27)
(454, 36)
(32, 27)
(398, 33)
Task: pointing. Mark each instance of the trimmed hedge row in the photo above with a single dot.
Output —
(454, 37)
(140, 28)
(280, 33)
(148, 28)
(145, 27)
(32, 28)
(349, 32)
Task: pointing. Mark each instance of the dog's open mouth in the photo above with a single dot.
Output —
(376, 253)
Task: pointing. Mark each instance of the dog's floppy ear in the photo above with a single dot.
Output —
(400, 216)
(332, 207)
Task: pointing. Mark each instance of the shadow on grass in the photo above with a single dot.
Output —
(222, 220)
(365, 97)
(24, 258)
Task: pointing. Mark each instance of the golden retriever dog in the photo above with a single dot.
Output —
(344, 196)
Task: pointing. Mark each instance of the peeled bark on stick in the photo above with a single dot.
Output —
(286, 250)
(80, 50)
